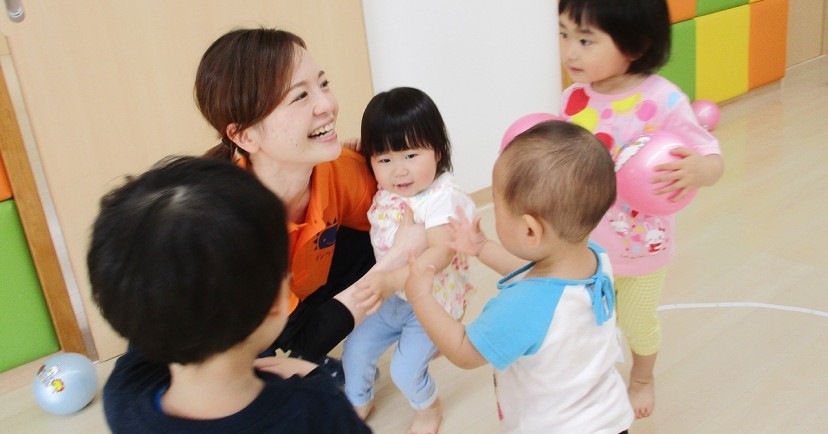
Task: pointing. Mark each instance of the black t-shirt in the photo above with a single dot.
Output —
(311, 404)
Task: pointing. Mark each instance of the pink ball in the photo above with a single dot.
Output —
(707, 112)
(524, 123)
(635, 168)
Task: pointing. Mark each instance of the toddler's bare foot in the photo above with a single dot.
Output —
(642, 397)
(364, 410)
(427, 420)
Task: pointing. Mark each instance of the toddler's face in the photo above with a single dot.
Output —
(590, 54)
(406, 173)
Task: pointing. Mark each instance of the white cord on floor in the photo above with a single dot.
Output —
(742, 304)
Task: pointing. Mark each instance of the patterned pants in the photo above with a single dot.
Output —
(636, 302)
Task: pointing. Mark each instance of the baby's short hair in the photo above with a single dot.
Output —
(186, 259)
(560, 173)
(405, 118)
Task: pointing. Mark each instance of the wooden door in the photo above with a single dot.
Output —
(33, 220)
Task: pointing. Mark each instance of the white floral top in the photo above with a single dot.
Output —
(432, 208)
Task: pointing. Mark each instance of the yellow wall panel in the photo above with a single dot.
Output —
(722, 42)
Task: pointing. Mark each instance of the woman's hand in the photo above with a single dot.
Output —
(410, 237)
(378, 283)
(689, 173)
(353, 144)
(466, 236)
(373, 289)
(284, 366)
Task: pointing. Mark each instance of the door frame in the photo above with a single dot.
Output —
(34, 222)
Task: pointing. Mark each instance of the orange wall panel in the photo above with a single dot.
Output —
(768, 30)
(5, 187)
(681, 10)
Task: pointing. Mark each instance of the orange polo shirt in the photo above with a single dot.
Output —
(341, 193)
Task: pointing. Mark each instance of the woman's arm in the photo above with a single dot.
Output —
(382, 283)
(410, 238)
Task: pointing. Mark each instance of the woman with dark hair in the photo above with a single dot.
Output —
(275, 112)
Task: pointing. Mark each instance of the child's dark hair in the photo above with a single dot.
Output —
(639, 28)
(186, 259)
(561, 173)
(404, 118)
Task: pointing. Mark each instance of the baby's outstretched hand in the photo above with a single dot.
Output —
(420, 281)
(466, 236)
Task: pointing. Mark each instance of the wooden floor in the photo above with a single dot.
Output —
(744, 314)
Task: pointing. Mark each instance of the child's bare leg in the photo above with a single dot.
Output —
(427, 420)
(642, 385)
(364, 410)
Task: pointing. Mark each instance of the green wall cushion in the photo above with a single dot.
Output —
(681, 68)
(704, 7)
(26, 331)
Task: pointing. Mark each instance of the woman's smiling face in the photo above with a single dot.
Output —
(300, 130)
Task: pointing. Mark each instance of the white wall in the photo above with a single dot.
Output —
(485, 64)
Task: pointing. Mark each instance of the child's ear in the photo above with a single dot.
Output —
(635, 56)
(534, 230)
(245, 139)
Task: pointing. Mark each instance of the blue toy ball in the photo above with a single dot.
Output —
(65, 383)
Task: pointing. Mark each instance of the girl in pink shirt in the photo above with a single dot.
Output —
(610, 48)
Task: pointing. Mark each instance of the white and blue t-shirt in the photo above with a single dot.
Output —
(554, 345)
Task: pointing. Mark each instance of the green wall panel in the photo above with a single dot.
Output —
(704, 7)
(26, 331)
(681, 68)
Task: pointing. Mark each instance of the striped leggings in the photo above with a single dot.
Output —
(637, 298)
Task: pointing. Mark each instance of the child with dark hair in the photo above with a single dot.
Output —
(611, 50)
(405, 142)
(188, 262)
(550, 330)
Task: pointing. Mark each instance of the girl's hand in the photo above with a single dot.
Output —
(689, 173)
(466, 237)
(420, 281)
(353, 144)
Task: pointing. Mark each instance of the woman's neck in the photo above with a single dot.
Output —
(218, 387)
(291, 184)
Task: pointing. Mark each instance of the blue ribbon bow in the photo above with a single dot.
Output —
(603, 298)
